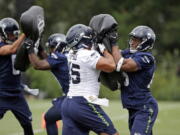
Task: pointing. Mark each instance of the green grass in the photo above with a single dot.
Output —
(168, 121)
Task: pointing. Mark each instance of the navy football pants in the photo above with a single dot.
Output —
(141, 121)
(19, 107)
(53, 115)
(79, 117)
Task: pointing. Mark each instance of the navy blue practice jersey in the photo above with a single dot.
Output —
(59, 67)
(135, 91)
(10, 80)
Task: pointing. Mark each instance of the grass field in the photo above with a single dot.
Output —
(168, 122)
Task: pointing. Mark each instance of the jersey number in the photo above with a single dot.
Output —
(75, 73)
(126, 82)
(14, 71)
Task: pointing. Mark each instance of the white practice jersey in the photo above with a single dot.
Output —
(84, 77)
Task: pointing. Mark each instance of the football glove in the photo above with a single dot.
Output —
(29, 45)
(102, 48)
(113, 37)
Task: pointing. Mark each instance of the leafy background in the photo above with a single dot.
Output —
(161, 15)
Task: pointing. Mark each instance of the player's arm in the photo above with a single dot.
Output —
(129, 65)
(42, 52)
(106, 63)
(11, 49)
(37, 63)
(123, 64)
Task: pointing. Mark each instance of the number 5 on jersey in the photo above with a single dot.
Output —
(75, 75)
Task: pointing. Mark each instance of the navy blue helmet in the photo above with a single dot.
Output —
(146, 35)
(9, 29)
(79, 36)
(57, 41)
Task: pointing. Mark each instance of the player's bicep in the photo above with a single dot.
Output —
(129, 65)
(5, 50)
(38, 63)
(104, 65)
(43, 65)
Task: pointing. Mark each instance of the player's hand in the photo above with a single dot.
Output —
(29, 45)
(113, 37)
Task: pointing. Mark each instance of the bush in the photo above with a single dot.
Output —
(166, 83)
(45, 81)
(106, 93)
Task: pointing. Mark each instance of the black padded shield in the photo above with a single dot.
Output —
(32, 22)
(113, 80)
(102, 24)
(22, 61)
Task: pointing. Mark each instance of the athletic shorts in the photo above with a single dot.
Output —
(18, 106)
(79, 117)
(141, 121)
(54, 113)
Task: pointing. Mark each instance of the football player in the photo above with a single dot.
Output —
(11, 95)
(138, 66)
(81, 109)
(58, 64)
